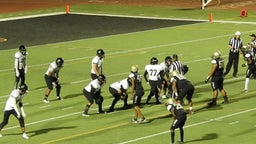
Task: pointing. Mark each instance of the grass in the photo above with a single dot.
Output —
(61, 121)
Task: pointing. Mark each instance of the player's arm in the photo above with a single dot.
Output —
(145, 75)
(16, 66)
(13, 104)
(132, 87)
(173, 114)
(95, 68)
(22, 109)
(214, 67)
(174, 88)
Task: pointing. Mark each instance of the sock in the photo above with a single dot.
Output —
(246, 83)
(172, 136)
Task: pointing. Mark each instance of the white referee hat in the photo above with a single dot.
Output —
(238, 33)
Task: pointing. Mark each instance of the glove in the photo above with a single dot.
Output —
(244, 65)
(207, 79)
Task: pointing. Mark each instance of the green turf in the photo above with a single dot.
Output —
(61, 121)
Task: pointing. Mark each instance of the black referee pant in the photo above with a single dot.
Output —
(233, 59)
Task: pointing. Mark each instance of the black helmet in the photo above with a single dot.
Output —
(175, 56)
(168, 60)
(102, 78)
(59, 62)
(153, 60)
(100, 52)
(22, 49)
(23, 88)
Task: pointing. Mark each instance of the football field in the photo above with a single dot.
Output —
(127, 39)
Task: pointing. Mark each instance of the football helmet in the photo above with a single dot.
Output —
(22, 49)
(216, 55)
(153, 61)
(102, 78)
(168, 60)
(175, 57)
(134, 68)
(23, 88)
(59, 62)
(100, 53)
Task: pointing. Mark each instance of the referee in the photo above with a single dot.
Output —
(176, 65)
(235, 44)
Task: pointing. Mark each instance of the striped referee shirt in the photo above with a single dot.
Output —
(178, 66)
(236, 44)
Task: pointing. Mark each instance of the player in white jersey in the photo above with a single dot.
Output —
(92, 93)
(20, 66)
(11, 109)
(52, 79)
(119, 91)
(97, 63)
(152, 73)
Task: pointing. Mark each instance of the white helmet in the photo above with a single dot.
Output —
(134, 68)
(216, 55)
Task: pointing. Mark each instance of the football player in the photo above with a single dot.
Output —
(11, 108)
(252, 45)
(179, 119)
(119, 91)
(216, 76)
(251, 70)
(163, 83)
(182, 88)
(52, 79)
(152, 74)
(92, 93)
(137, 91)
(97, 63)
(20, 66)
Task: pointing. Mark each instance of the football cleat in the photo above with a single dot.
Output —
(143, 120)
(212, 103)
(244, 91)
(225, 102)
(46, 101)
(59, 98)
(24, 135)
(101, 112)
(85, 115)
(134, 120)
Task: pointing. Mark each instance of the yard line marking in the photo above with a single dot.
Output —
(85, 133)
(192, 125)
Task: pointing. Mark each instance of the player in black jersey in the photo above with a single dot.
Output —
(182, 88)
(250, 72)
(179, 119)
(137, 91)
(216, 75)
